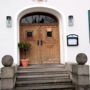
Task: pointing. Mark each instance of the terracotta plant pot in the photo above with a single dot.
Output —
(24, 62)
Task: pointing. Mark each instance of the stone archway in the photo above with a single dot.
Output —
(46, 9)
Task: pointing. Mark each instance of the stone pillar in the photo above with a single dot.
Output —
(7, 78)
(80, 73)
(7, 73)
(80, 77)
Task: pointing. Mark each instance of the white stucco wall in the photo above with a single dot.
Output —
(77, 8)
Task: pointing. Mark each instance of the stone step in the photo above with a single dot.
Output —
(41, 66)
(41, 72)
(44, 77)
(44, 81)
(54, 87)
(40, 77)
(42, 69)
(43, 84)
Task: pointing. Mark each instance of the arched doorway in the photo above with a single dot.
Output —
(41, 30)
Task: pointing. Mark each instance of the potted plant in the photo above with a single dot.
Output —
(24, 47)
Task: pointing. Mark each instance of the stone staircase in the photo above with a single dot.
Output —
(40, 77)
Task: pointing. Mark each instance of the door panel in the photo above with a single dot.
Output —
(50, 47)
(44, 41)
(34, 53)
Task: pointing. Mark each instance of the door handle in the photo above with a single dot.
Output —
(41, 42)
(38, 42)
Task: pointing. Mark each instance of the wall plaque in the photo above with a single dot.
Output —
(72, 40)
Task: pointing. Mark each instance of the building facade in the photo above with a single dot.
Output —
(64, 32)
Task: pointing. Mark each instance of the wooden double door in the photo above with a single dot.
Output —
(44, 40)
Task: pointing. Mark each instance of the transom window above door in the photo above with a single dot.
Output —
(38, 17)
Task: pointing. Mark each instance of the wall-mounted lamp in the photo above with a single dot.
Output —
(70, 20)
(8, 21)
(72, 40)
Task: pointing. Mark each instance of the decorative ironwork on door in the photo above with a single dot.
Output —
(38, 18)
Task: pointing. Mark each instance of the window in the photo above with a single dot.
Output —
(49, 34)
(29, 34)
(38, 18)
